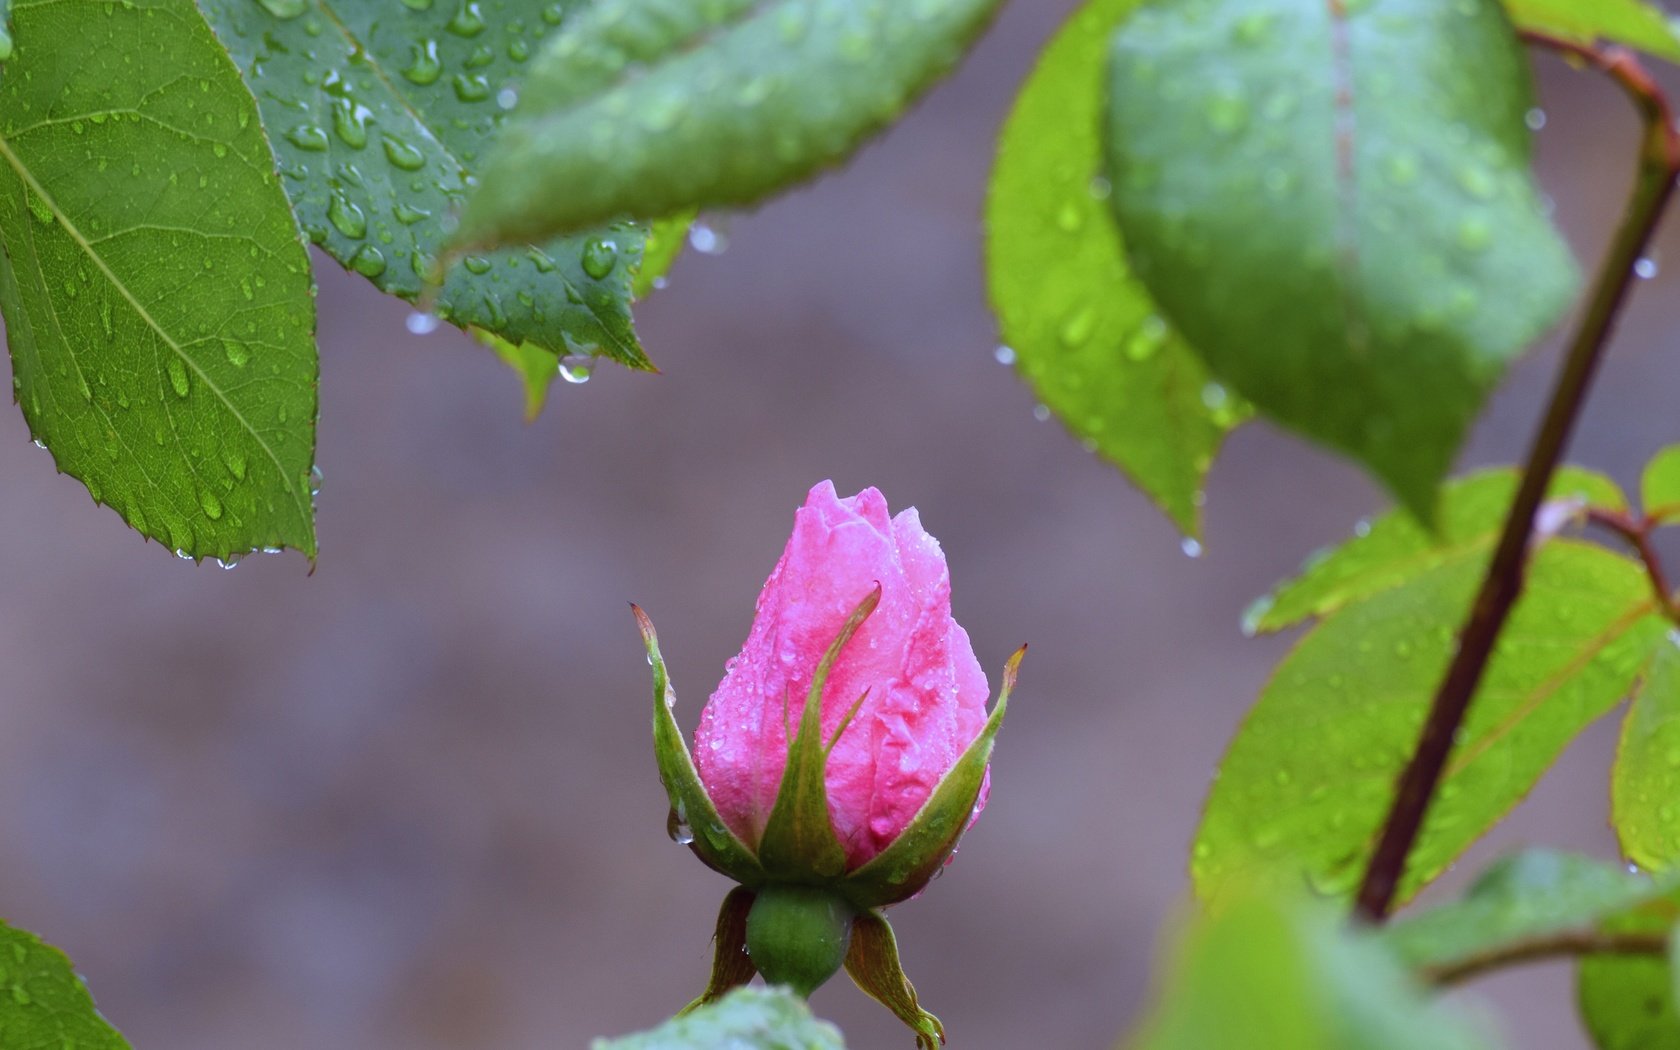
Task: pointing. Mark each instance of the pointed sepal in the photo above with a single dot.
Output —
(916, 855)
(872, 962)
(693, 816)
(799, 840)
(731, 965)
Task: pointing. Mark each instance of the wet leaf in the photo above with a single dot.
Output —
(1082, 330)
(1531, 894)
(42, 1001)
(1645, 780)
(1659, 488)
(1395, 547)
(665, 239)
(1632, 22)
(156, 293)
(1627, 1001)
(381, 113)
(745, 1019)
(1260, 974)
(1358, 686)
(1333, 204)
(650, 107)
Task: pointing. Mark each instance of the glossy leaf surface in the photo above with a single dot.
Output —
(42, 1001)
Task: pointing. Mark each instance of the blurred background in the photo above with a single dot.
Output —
(409, 801)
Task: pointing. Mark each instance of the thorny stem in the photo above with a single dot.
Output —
(1550, 946)
(1659, 163)
(1636, 531)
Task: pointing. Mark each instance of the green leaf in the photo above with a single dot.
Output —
(1264, 975)
(1333, 204)
(665, 239)
(535, 366)
(381, 113)
(1632, 22)
(1645, 780)
(922, 848)
(42, 1001)
(1659, 488)
(745, 1019)
(1083, 330)
(650, 107)
(1304, 788)
(1522, 897)
(1391, 550)
(799, 838)
(693, 817)
(156, 293)
(1627, 1001)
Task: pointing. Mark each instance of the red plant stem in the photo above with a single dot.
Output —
(1637, 533)
(1659, 162)
(1549, 946)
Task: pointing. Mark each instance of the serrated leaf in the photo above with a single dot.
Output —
(156, 294)
(1632, 22)
(1519, 898)
(42, 1001)
(1084, 332)
(1394, 548)
(1627, 1001)
(1262, 974)
(1358, 260)
(1659, 486)
(381, 113)
(1645, 780)
(745, 1019)
(650, 107)
(1305, 785)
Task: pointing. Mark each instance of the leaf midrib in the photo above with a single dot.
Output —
(34, 186)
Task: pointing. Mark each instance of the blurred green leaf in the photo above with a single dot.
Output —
(1304, 788)
(1645, 780)
(42, 1001)
(1394, 548)
(1519, 898)
(745, 1019)
(1333, 203)
(1659, 487)
(1263, 975)
(1626, 1001)
(1637, 24)
(1082, 330)
(156, 294)
(664, 243)
(650, 107)
(381, 113)
(535, 366)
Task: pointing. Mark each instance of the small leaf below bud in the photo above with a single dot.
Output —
(798, 935)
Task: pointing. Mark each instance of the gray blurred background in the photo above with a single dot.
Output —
(409, 801)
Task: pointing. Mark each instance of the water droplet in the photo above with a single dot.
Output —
(1191, 547)
(599, 257)
(1004, 355)
(476, 264)
(507, 98)
(1077, 327)
(237, 353)
(401, 154)
(284, 9)
(346, 216)
(1099, 188)
(420, 323)
(468, 20)
(471, 88)
(308, 137)
(423, 66)
(1535, 118)
(211, 503)
(350, 124)
(1255, 614)
(1150, 334)
(368, 261)
(705, 240)
(576, 368)
(177, 375)
(231, 561)
(315, 479)
(1041, 412)
(1645, 268)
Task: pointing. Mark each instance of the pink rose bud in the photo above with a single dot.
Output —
(841, 758)
(926, 694)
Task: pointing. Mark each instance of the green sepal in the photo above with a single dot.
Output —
(799, 935)
(872, 962)
(691, 806)
(799, 840)
(911, 860)
(731, 965)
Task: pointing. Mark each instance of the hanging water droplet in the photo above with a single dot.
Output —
(1191, 547)
(230, 562)
(1004, 355)
(315, 479)
(599, 257)
(1535, 118)
(705, 240)
(421, 323)
(1041, 412)
(576, 368)
(1645, 268)
(368, 261)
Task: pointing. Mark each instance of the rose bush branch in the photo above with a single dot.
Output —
(1551, 946)
(1636, 532)
(1659, 163)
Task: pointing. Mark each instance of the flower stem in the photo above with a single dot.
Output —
(1659, 162)
(1550, 946)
